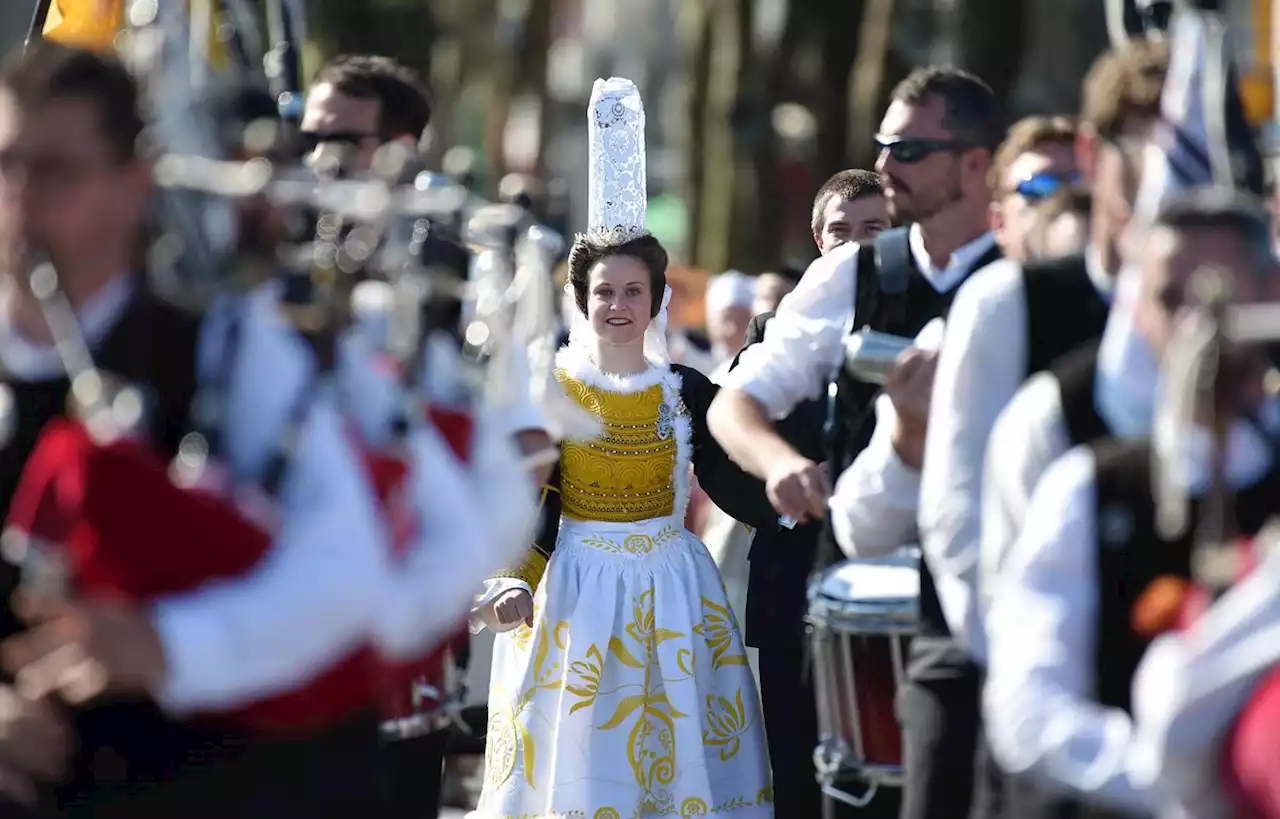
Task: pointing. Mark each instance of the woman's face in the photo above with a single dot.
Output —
(619, 299)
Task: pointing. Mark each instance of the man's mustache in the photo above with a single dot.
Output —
(897, 184)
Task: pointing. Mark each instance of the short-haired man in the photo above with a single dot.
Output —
(1069, 621)
(1035, 160)
(73, 186)
(848, 205)
(781, 559)
(772, 285)
(936, 142)
(359, 103)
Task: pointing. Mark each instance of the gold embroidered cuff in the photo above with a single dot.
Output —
(531, 570)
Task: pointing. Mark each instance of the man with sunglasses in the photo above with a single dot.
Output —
(1012, 321)
(1036, 160)
(358, 103)
(936, 143)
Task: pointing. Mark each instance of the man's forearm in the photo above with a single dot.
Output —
(745, 432)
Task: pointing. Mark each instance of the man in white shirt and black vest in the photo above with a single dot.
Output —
(167, 737)
(1057, 408)
(936, 142)
(1069, 619)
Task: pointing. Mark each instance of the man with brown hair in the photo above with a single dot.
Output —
(1035, 160)
(849, 206)
(936, 141)
(359, 102)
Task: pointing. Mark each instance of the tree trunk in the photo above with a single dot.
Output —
(840, 23)
(716, 225)
(696, 18)
(991, 38)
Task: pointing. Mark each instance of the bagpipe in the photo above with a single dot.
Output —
(100, 507)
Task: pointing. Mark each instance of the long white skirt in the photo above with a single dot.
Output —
(631, 695)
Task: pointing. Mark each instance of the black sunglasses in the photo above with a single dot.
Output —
(1043, 185)
(310, 140)
(909, 150)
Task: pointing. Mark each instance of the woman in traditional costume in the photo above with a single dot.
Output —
(620, 684)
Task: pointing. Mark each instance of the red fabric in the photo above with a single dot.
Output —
(1251, 758)
(395, 679)
(1250, 761)
(130, 533)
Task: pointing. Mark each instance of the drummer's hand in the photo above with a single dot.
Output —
(35, 744)
(85, 649)
(511, 608)
(798, 488)
(910, 388)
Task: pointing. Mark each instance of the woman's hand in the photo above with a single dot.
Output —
(511, 608)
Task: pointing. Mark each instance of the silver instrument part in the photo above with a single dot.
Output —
(870, 355)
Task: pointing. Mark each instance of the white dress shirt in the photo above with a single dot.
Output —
(470, 520)
(315, 595)
(876, 500)
(1190, 688)
(982, 364)
(803, 345)
(1040, 715)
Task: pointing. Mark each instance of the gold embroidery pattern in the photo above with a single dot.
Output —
(637, 545)
(651, 746)
(718, 628)
(626, 474)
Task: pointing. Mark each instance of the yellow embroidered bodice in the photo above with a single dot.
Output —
(627, 474)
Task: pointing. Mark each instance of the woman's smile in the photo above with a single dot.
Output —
(617, 321)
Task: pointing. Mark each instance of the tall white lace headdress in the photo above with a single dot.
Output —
(617, 193)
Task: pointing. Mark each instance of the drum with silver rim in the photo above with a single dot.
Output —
(862, 615)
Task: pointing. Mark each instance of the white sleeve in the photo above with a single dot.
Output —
(1190, 687)
(1040, 717)
(460, 541)
(520, 413)
(1027, 438)
(874, 505)
(803, 345)
(980, 367)
(311, 599)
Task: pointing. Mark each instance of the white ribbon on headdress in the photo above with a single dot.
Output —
(617, 196)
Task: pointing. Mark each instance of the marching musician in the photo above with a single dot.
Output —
(936, 142)
(849, 207)
(361, 104)
(73, 184)
(1060, 407)
(1073, 607)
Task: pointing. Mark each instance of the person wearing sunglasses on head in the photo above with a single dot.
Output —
(936, 142)
(1013, 320)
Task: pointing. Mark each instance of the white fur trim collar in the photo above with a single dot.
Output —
(578, 365)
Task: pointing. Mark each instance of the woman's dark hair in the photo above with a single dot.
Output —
(591, 248)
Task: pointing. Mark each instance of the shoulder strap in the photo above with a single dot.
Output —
(1076, 375)
(893, 275)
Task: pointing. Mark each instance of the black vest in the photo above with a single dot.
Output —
(1064, 310)
(1076, 375)
(1131, 554)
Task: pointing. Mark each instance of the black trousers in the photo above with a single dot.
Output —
(947, 768)
(412, 773)
(791, 729)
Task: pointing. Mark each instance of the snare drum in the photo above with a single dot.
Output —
(424, 696)
(863, 614)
